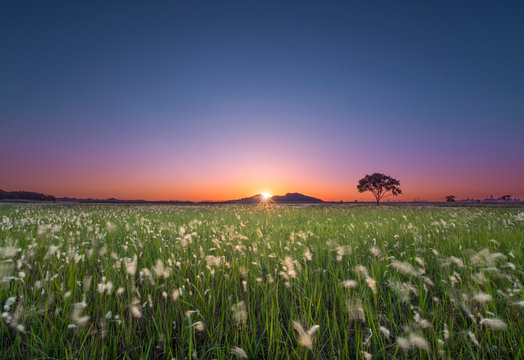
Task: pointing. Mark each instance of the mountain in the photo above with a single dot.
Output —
(247, 200)
(90, 200)
(295, 198)
(289, 198)
(119, 201)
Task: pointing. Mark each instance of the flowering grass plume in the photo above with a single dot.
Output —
(305, 338)
(239, 352)
(207, 281)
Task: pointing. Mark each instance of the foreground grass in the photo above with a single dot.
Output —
(128, 282)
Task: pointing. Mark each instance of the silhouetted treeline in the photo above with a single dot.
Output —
(25, 195)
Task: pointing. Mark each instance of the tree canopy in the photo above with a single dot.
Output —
(379, 185)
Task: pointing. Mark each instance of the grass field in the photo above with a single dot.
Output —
(289, 282)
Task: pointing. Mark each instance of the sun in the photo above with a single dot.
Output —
(265, 196)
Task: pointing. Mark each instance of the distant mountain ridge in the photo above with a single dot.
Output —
(295, 198)
(113, 200)
(25, 195)
(289, 198)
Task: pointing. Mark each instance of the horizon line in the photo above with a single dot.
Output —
(392, 200)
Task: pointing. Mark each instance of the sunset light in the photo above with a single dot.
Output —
(265, 196)
(326, 111)
(261, 179)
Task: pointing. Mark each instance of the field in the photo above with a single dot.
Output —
(285, 282)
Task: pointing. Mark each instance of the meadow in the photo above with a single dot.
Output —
(278, 282)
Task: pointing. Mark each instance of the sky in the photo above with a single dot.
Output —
(216, 100)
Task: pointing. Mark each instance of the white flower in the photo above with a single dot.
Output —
(239, 352)
(482, 298)
(473, 338)
(372, 284)
(349, 284)
(494, 324)
(413, 340)
(305, 337)
(77, 315)
(199, 326)
(131, 266)
(384, 332)
(135, 309)
(239, 313)
(367, 355)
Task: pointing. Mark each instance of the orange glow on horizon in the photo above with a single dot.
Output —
(237, 176)
(265, 196)
(162, 190)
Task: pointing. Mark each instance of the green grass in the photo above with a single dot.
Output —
(55, 259)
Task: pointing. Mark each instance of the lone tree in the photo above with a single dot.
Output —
(450, 198)
(379, 185)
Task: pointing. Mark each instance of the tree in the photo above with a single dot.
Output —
(379, 185)
(505, 197)
(450, 198)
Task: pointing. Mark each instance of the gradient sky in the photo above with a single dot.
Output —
(213, 100)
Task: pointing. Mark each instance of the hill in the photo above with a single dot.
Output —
(25, 195)
(295, 198)
(289, 198)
